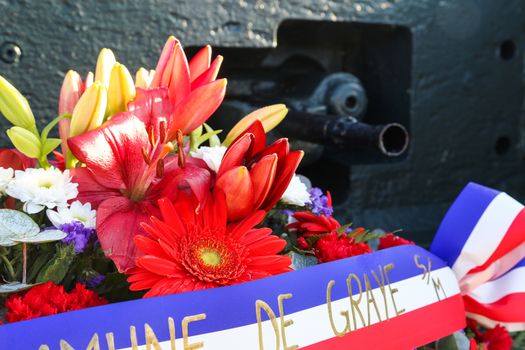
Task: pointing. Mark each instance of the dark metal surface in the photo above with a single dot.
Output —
(451, 71)
(347, 133)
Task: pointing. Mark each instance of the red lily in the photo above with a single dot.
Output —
(126, 173)
(12, 158)
(254, 176)
(194, 92)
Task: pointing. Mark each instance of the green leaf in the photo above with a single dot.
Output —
(214, 139)
(209, 136)
(194, 136)
(43, 237)
(312, 240)
(456, 341)
(518, 341)
(115, 288)
(15, 225)
(45, 254)
(343, 228)
(368, 236)
(14, 287)
(50, 145)
(56, 269)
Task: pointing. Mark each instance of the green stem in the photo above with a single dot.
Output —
(44, 163)
(9, 266)
(52, 124)
(70, 160)
(194, 141)
(24, 268)
(34, 130)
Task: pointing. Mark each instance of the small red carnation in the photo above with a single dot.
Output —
(309, 224)
(49, 299)
(497, 338)
(334, 247)
(390, 240)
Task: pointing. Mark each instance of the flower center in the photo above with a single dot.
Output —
(212, 259)
(210, 256)
(47, 184)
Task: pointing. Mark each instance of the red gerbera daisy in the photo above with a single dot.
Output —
(193, 248)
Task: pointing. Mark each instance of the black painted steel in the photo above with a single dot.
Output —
(450, 71)
(347, 133)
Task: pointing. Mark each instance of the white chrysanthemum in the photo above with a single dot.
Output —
(6, 175)
(296, 193)
(211, 155)
(76, 212)
(41, 188)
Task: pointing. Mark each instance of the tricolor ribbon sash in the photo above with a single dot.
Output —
(482, 238)
(399, 298)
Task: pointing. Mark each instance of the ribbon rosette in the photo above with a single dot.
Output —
(482, 238)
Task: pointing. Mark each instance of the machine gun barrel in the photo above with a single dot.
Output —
(390, 140)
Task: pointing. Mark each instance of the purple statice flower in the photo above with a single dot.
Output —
(320, 204)
(77, 234)
(287, 212)
(95, 281)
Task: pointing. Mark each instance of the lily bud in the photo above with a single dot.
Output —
(89, 111)
(165, 63)
(121, 89)
(15, 107)
(90, 78)
(143, 78)
(105, 62)
(269, 116)
(25, 141)
(72, 89)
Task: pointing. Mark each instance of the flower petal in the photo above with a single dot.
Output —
(209, 75)
(162, 65)
(271, 263)
(192, 178)
(283, 178)
(237, 186)
(158, 265)
(117, 222)
(263, 174)
(152, 106)
(89, 189)
(259, 136)
(198, 106)
(235, 154)
(269, 245)
(179, 84)
(113, 153)
(243, 227)
(200, 62)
